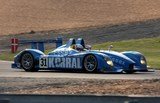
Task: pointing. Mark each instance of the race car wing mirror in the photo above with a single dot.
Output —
(88, 47)
(110, 47)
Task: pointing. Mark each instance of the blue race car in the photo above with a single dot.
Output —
(76, 56)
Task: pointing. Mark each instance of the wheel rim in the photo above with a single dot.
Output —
(90, 63)
(27, 61)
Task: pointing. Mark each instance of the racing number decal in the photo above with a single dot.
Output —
(43, 62)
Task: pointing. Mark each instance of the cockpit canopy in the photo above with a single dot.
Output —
(81, 42)
(71, 42)
(78, 44)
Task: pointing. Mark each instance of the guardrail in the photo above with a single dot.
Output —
(35, 44)
(18, 98)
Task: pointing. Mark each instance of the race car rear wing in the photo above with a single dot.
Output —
(37, 44)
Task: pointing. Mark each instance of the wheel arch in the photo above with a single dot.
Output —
(35, 54)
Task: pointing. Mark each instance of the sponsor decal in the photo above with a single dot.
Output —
(59, 62)
(61, 53)
(118, 61)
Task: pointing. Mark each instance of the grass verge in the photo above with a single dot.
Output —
(5, 55)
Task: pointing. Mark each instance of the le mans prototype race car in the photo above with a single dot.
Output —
(75, 55)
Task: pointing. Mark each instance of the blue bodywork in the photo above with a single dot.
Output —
(138, 58)
(67, 58)
(128, 59)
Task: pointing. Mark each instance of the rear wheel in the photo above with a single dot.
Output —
(27, 62)
(90, 63)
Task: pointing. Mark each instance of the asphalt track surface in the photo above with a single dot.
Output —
(7, 71)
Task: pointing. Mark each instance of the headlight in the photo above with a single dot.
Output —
(143, 60)
(109, 61)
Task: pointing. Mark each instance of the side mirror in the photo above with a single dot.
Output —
(88, 47)
(110, 47)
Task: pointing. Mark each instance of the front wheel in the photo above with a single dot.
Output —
(90, 63)
(27, 62)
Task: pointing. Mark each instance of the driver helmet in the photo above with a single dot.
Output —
(79, 47)
(73, 46)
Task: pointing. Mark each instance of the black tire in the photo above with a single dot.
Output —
(27, 62)
(90, 63)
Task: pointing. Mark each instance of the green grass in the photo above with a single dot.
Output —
(7, 56)
(150, 47)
